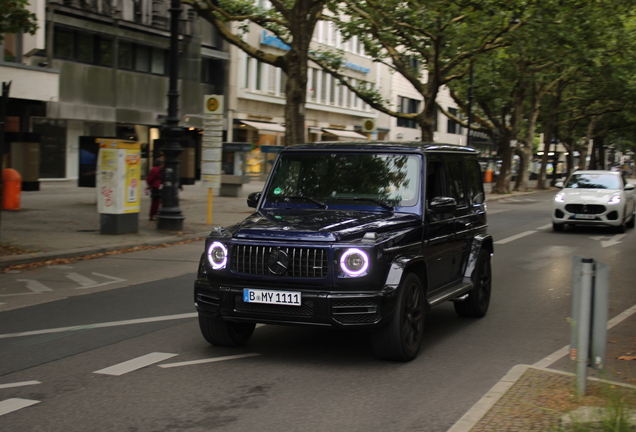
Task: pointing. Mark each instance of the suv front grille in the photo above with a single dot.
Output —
(585, 208)
(296, 262)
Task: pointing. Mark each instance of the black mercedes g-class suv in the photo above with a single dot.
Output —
(365, 235)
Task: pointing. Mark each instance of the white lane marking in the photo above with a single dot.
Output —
(515, 237)
(19, 384)
(208, 360)
(14, 404)
(134, 364)
(35, 286)
(547, 361)
(82, 280)
(545, 226)
(113, 280)
(101, 325)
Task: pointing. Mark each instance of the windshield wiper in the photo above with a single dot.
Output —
(375, 200)
(315, 201)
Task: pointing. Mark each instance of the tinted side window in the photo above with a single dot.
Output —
(474, 182)
(456, 180)
(435, 179)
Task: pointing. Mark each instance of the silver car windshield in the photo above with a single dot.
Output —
(594, 181)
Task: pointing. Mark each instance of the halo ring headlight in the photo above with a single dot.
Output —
(217, 255)
(354, 262)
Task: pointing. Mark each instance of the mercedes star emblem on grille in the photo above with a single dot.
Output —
(278, 261)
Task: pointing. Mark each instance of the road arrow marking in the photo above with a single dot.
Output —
(35, 286)
(207, 360)
(87, 282)
(134, 364)
(14, 404)
(609, 241)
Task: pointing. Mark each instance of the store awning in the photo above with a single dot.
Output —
(345, 134)
(264, 128)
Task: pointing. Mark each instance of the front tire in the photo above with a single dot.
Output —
(478, 300)
(632, 221)
(219, 332)
(401, 338)
(557, 227)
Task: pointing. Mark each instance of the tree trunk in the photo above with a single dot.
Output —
(502, 185)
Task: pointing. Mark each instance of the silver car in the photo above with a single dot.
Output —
(594, 198)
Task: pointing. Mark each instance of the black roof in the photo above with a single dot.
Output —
(419, 146)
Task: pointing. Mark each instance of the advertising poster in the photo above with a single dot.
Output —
(118, 176)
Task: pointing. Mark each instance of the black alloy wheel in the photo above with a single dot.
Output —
(478, 300)
(401, 338)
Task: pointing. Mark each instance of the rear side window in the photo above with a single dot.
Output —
(474, 181)
(456, 180)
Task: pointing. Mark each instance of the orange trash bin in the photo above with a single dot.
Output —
(488, 176)
(11, 189)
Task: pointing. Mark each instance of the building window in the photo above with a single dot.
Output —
(213, 72)
(104, 52)
(85, 47)
(452, 126)
(63, 44)
(248, 63)
(125, 55)
(259, 74)
(158, 61)
(408, 106)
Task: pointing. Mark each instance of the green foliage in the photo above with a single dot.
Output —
(15, 18)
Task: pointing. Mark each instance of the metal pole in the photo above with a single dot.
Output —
(470, 106)
(4, 100)
(583, 325)
(169, 216)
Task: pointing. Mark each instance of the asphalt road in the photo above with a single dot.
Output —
(112, 344)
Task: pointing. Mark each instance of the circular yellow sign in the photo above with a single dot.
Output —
(213, 104)
(368, 125)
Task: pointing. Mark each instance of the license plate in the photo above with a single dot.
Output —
(288, 298)
(584, 216)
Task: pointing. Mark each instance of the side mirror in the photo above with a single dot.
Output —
(629, 186)
(559, 184)
(443, 204)
(252, 199)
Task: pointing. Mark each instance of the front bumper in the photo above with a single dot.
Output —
(360, 310)
(608, 215)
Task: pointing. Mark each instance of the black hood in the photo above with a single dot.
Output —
(319, 225)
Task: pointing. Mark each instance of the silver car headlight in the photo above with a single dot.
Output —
(217, 255)
(559, 197)
(616, 199)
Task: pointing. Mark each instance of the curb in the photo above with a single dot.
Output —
(10, 260)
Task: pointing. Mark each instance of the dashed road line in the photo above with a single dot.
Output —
(19, 384)
(134, 364)
(101, 325)
(515, 237)
(14, 404)
(207, 360)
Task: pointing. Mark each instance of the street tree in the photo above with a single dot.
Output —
(292, 22)
(15, 18)
(430, 43)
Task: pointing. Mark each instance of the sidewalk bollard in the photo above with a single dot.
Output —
(11, 189)
(589, 315)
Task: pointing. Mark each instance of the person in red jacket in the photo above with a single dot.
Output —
(153, 180)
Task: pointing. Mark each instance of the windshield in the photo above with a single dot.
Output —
(385, 180)
(594, 181)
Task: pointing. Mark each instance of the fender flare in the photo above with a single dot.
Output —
(398, 268)
(480, 242)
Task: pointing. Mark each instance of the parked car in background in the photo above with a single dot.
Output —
(594, 198)
(352, 236)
